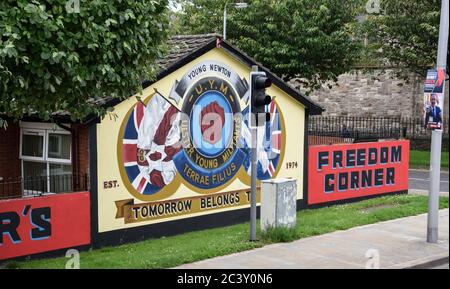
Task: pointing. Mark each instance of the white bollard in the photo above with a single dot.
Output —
(278, 203)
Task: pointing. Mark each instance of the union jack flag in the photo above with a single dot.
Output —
(151, 140)
(269, 143)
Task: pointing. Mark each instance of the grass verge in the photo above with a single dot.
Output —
(176, 250)
(421, 160)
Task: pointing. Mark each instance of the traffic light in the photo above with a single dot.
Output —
(259, 98)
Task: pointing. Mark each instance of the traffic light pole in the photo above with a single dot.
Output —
(254, 162)
(258, 103)
(253, 184)
(436, 135)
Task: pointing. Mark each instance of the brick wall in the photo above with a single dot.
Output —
(10, 166)
(9, 151)
(82, 147)
(10, 145)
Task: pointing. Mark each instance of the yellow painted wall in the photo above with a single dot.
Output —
(108, 145)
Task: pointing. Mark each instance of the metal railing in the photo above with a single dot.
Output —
(43, 185)
(347, 129)
(414, 127)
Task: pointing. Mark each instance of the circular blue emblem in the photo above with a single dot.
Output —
(211, 156)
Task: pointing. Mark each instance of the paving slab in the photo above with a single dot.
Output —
(425, 193)
(400, 243)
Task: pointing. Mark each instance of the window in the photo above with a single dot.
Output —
(46, 158)
(59, 146)
(63, 180)
(33, 144)
(34, 176)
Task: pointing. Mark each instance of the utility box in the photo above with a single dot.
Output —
(278, 203)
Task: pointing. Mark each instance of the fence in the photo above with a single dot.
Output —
(344, 129)
(38, 185)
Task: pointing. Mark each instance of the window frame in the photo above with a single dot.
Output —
(55, 160)
(31, 192)
(39, 132)
(59, 147)
(43, 129)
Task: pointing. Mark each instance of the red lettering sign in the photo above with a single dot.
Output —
(41, 224)
(346, 171)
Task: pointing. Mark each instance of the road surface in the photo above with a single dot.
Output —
(420, 180)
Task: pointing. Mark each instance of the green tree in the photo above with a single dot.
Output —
(405, 34)
(58, 59)
(313, 40)
(174, 16)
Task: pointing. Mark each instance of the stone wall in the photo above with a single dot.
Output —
(367, 93)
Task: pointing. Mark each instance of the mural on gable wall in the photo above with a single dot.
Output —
(199, 132)
(183, 148)
(199, 136)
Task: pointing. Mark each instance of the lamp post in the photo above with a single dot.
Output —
(239, 5)
(436, 135)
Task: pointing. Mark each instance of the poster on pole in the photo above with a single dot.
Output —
(433, 99)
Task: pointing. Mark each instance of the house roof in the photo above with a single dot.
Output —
(180, 47)
(184, 49)
(183, 45)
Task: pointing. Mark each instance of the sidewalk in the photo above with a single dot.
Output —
(425, 193)
(401, 243)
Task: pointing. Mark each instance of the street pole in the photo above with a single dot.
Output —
(254, 162)
(253, 184)
(238, 5)
(225, 22)
(436, 136)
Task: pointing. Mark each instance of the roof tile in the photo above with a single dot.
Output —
(182, 45)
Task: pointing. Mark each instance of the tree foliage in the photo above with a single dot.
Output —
(313, 40)
(405, 34)
(52, 60)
